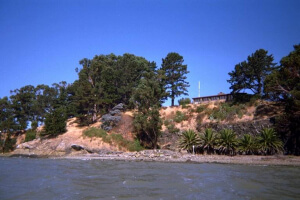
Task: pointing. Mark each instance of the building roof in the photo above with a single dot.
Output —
(220, 94)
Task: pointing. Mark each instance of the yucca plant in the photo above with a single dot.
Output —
(208, 141)
(189, 139)
(247, 145)
(227, 142)
(268, 142)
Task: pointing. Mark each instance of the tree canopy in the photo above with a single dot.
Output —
(174, 76)
(251, 74)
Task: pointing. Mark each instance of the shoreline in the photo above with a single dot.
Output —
(168, 156)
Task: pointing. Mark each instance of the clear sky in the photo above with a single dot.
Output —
(42, 41)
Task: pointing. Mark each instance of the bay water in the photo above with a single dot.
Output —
(42, 179)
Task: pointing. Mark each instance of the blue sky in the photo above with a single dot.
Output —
(43, 41)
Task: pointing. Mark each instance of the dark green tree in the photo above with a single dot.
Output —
(284, 85)
(251, 74)
(55, 122)
(23, 105)
(174, 76)
(148, 97)
(45, 98)
(7, 122)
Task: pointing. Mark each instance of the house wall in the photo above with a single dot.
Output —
(227, 97)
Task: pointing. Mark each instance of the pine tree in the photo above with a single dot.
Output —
(174, 76)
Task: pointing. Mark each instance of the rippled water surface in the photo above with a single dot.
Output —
(24, 178)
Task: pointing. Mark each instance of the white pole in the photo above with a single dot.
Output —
(199, 90)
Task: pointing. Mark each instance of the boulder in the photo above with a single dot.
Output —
(77, 147)
(112, 118)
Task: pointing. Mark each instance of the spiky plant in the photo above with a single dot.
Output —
(189, 139)
(208, 141)
(268, 142)
(247, 145)
(227, 142)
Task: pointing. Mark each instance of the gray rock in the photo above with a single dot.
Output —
(77, 147)
(120, 106)
(112, 118)
(114, 112)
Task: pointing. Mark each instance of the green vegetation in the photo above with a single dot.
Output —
(148, 97)
(184, 102)
(251, 74)
(208, 141)
(171, 126)
(189, 139)
(180, 116)
(95, 132)
(283, 85)
(247, 145)
(107, 80)
(227, 111)
(7, 143)
(55, 122)
(268, 142)
(113, 138)
(30, 135)
(201, 108)
(174, 76)
(226, 142)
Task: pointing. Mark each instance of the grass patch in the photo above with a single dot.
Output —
(95, 132)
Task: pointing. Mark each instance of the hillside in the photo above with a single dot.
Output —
(243, 118)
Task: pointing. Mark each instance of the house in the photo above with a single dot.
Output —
(220, 97)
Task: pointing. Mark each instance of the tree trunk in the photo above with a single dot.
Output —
(95, 113)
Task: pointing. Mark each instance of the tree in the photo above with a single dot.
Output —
(208, 140)
(105, 81)
(174, 76)
(7, 122)
(23, 101)
(283, 84)
(55, 122)
(227, 142)
(189, 141)
(251, 74)
(147, 98)
(247, 145)
(268, 142)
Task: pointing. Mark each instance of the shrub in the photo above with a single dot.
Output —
(269, 143)
(30, 135)
(227, 142)
(247, 145)
(227, 112)
(179, 117)
(135, 146)
(171, 126)
(189, 139)
(201, 108)
(208, 141)
(184, 101)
